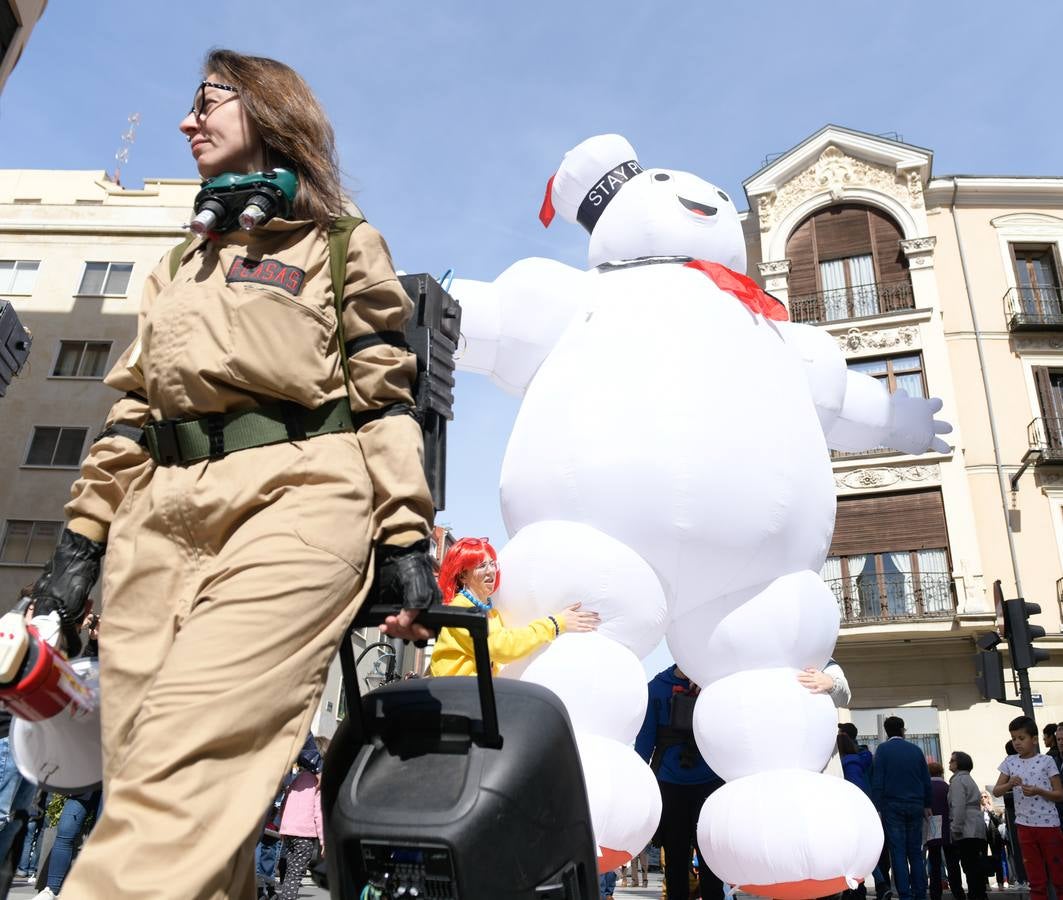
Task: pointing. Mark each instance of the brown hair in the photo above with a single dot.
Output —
(294, 128)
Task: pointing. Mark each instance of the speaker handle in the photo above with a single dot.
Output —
(433, 618)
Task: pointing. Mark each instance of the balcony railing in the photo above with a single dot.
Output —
(873, 451)
(1046, 435)
(852, 302)
(1034, 308)
(895, 597)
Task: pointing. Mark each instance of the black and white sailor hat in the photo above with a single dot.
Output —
(589, 177)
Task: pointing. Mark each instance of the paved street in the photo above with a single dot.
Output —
(308, 892)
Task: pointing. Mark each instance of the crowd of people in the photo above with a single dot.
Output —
(951, 834)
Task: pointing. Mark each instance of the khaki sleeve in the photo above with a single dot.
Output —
(381, 376)
(115, 460)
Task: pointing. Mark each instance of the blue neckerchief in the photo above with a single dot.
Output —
(476, 601)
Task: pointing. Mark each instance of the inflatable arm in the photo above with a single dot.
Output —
(510, 325)
(856, 411)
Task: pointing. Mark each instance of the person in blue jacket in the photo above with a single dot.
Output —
(666, 742)
(901, 791)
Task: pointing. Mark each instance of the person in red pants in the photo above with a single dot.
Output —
(1034, 782)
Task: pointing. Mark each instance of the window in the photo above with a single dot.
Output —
(894, 372)
(846, 262)
(905, 372)
(29, 543)
(1037, 280)
(82, 359)
(18, 275)
(1047, 430)
(104, 279)
(56, 446)
(896, 585)
(889, 557)
(922, 727)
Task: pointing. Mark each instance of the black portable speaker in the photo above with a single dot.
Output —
(15, 342)
(433, 791)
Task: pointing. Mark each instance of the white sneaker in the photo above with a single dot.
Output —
(46, 894)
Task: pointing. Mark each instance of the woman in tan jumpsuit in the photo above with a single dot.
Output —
(234, 570)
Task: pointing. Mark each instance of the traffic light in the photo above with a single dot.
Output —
(1021, 634)
(989, 675)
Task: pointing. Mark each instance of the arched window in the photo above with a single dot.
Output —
(846, 262)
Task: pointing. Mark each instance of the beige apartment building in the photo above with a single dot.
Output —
(944, 286)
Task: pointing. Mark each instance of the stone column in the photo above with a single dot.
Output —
(776, 275)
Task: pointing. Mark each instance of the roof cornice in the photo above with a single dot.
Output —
(996, 190)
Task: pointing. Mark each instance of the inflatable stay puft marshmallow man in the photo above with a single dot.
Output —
(669, 468)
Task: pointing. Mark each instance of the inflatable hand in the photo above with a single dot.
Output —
(913, 428)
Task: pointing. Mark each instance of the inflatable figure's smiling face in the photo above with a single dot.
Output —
(662, 212)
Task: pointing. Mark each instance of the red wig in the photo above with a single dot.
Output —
(464, 554)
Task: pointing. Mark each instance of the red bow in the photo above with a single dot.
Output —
(742, 287)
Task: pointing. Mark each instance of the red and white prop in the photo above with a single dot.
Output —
(55, 730)
(669, 467)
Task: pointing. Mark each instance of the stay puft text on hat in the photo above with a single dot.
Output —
(587, 180)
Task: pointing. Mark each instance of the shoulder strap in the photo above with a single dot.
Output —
(339, 239)
(177, 253)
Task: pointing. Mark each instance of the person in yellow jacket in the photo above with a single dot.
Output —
(246, 492)
(468, 577)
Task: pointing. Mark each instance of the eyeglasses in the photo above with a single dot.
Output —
(487, 565)
(202, 106)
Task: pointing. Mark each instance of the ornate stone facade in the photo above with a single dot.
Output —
(776, 274)
(855, 340)
(920, 252)
(1035, 343)
(837, 173)
(887, 476)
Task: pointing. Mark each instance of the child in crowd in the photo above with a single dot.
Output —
(1035, 784)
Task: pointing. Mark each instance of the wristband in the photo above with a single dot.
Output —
(557, 628)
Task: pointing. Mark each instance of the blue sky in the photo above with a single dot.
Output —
(452, 114)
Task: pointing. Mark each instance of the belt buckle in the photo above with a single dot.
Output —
(166, 446)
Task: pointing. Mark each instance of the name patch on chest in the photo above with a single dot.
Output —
(271, 272)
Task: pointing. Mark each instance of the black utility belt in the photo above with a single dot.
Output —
(175, 442)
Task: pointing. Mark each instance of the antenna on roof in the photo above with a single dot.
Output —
(122, 154)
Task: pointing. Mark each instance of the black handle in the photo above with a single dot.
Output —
(433, 618)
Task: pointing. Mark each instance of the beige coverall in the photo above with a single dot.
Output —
(229, 583)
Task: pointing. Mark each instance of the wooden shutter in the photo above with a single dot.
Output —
(1050, 406)
(842, 231)
(801, 252)
(839, 232)
(888, 523)
(886, 237)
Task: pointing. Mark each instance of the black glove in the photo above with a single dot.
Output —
(66, 582)
(405, 577)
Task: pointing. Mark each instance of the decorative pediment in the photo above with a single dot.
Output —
(838, 162)
(1028, 223)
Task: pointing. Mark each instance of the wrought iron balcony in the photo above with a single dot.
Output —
(872, 598)
(1034, 308)
(873, 451)
(1046, 436)
(852, 302)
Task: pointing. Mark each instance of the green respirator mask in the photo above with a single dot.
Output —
(245, 200)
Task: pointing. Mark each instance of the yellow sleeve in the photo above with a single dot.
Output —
(114, 461)
(382, 375)
(452, 653)
(510, 644)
